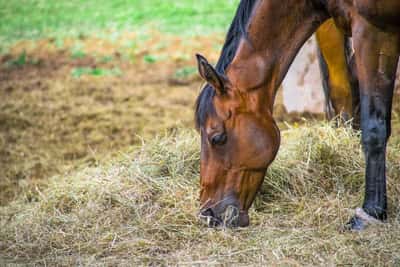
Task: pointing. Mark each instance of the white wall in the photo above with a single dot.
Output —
(302, 87)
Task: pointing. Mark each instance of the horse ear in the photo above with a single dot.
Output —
(210, 75)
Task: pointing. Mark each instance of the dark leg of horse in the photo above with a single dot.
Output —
(355, 91)
(376, 55)
(329, 111)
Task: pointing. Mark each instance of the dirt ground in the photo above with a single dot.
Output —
(60, 107)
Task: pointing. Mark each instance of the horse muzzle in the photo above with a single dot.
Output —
(230, 217)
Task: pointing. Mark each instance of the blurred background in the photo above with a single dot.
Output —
(80, 80)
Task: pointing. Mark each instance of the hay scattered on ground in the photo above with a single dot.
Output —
(142, 208)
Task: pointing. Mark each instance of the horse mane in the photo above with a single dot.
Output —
(204, 105)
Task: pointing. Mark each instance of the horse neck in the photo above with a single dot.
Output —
(276, 31)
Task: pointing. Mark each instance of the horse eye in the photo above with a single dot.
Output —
(219, 139)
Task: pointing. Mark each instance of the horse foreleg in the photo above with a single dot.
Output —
(376, 53)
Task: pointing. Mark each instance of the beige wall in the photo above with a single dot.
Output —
(302, 87)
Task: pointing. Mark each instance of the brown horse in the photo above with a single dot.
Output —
(239, 137)
(338, 74)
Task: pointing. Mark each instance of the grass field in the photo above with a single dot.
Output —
(27, 19)
(86, 88)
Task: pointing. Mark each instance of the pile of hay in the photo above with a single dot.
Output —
(142, 209)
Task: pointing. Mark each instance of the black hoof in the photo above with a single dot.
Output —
(361, 220)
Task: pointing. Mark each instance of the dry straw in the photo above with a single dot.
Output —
(141, 209)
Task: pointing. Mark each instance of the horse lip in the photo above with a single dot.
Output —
(244, 219)
(225, 213)
(241, 221)
(231, 217)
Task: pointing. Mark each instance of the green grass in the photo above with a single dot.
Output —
(78, 72)
(31, 19)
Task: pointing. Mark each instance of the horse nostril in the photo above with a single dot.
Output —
(207, 213)
(208, 216)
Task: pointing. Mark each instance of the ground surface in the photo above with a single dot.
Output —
(61, 106)
(83, 85)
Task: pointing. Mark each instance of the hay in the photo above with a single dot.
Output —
(142, 209)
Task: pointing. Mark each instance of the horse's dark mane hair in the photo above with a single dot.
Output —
(204, 104)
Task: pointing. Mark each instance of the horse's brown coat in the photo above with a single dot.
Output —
(232, 171)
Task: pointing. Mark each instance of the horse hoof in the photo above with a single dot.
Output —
(361, 220)
(355, 224)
